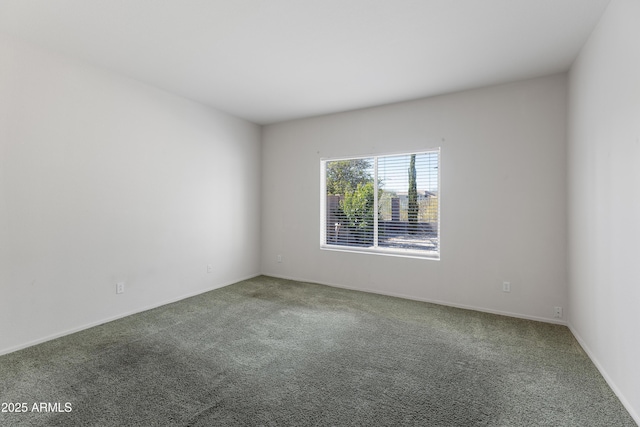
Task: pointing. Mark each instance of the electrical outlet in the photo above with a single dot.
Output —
(557, 312)
(506, 286)
(209, 268)
(279, 258)
(120, 288)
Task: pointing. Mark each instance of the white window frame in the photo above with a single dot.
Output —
(378, 250)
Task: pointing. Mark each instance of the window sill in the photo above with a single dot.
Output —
(403, 253)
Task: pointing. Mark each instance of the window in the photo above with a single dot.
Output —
(382, 204)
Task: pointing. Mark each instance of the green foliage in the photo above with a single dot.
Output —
(429, 209)
(358, 208)
(353, 181)
(344, 176)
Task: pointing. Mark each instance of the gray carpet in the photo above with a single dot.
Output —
(275, 352)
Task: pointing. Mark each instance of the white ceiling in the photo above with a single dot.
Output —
(274, 60)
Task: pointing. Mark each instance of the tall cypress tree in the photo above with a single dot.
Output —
(412, 210)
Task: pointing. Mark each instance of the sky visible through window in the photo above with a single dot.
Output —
(388, 167)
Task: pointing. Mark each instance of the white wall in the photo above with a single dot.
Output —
(503, 197)
(604, 202)
(103, 179)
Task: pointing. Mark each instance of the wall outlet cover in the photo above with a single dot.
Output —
(557, 312)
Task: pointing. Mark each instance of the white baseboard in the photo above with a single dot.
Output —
(627, 405)
(119, 316)
(433, 301)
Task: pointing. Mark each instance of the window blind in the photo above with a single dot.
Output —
(387, 204)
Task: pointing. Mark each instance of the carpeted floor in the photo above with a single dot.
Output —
(275, 352)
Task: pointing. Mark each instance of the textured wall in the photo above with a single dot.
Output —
(604, 207)
(103, 179)
(502, 197)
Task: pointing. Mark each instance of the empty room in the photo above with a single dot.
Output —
(305, 212)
